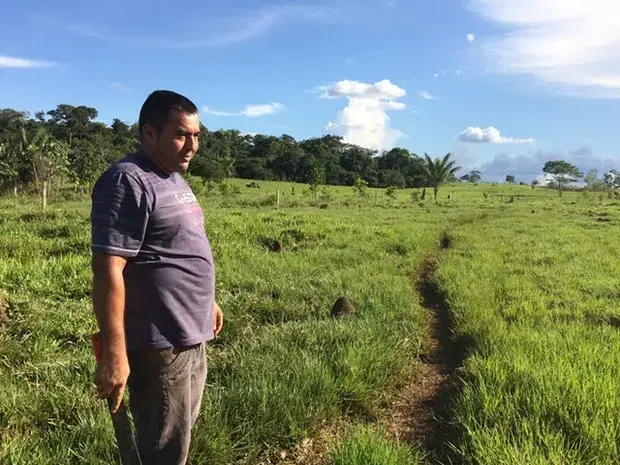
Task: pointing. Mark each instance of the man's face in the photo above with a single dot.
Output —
(177, 144)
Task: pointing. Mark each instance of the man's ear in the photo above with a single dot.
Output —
(149, 134)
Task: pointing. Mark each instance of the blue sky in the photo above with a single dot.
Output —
(502, 84)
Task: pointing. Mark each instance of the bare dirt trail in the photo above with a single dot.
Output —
(420, 415)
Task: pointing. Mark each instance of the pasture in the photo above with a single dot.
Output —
(528, 284)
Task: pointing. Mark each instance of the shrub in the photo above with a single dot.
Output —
(195, 183)
(361, 187)
(325, 196)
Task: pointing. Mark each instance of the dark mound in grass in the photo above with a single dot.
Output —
(342, 308)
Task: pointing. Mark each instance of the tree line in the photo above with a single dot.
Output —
(68, 143)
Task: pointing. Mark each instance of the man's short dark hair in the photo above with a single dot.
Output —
(158, 105)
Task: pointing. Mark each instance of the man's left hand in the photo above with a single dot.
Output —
(218, 318)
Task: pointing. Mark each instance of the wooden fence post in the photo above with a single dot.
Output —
(44, 195)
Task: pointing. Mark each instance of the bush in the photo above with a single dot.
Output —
(223, 188)
(325, 196)
(196, 184)
(361, 187)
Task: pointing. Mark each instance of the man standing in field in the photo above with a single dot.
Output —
(153, 281)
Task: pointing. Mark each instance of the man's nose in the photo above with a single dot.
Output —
(192, 144)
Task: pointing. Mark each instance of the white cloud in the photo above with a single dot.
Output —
(489, 135)
(119, 86)
(574, 44)
(470, 37)
(13, 62)
(383, 90)
(262, 110)
(365, 121)
(392, 105)
(249, 110)
(425, 95)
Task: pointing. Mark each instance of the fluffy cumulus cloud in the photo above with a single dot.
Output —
(13, 62)
(365, 121)
(249, 110)
(489, 135)
(528, 166)
(574, 44)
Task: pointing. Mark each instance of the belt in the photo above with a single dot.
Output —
(178, 350)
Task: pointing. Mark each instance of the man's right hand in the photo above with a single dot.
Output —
(111, 377)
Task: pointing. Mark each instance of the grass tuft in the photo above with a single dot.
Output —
(365, 445)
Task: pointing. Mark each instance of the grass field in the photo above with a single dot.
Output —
(531, 281)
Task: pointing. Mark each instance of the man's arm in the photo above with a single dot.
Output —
(109, 307)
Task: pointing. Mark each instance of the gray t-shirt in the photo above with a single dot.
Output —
(154, 220)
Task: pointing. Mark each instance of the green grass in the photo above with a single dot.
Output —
(531, 281)
(537, 293)
(365, 445)
(280, 369)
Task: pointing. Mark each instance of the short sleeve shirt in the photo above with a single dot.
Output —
(154, 220)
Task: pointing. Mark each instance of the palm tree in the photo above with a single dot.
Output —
(439, 171)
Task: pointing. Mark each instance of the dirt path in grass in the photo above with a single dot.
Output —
(420, 413)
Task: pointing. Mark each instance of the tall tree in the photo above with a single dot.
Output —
(473, 176)
(563, 173)
(439, 171)
(68, 121)
(612, 179)
(8, 167)
(14, 162)
(592, 180)
(414, 172)
(510, 179)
